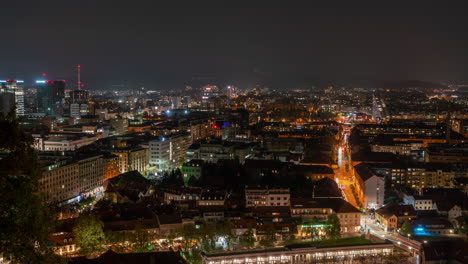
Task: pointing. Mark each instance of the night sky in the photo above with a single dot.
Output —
(163, 44)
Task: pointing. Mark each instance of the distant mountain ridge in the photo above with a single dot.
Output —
(404, 84)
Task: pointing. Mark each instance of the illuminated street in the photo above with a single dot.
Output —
(405, 243)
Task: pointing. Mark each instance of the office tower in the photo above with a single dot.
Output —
(15, 87)
(79, 103)
(7, 101)
(79, 96)
(50, 96)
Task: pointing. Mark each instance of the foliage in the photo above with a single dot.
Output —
(396, 257)
(333, 227)
(248, 238)
(89, 234)
(463, 223)
(313, 232)
(25, 221)
(172, 178)
(270, 238)
(139, 239)
(405, 228)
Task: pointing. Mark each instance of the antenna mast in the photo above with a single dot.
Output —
(78, 68)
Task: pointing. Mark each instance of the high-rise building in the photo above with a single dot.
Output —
(166, 151)
(7, 101)
(15, 87)
(50, 96)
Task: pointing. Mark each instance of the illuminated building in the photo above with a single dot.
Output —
(111, 166)
(50, 96)
(392, 216)
(311, 209)
(369, 187)
(132, 158)
(295, 254)
(166, 151)
(63, 141)
(258, 196)
(210, 91)
(65, 177)
(15, 87)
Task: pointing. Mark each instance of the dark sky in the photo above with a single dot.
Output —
(162, 44)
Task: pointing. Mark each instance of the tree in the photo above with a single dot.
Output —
(224, 228)
(463, 224)
(395, 258)
(248, 238)
(139, 239)
(181, 161)
(89, 234)
(405, 228)
(25, 220)
(333, 227)
(270, 237)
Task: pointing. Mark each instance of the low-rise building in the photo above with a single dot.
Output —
(310, 209)
(432, 226)
(263, 196)
(191, 169)
(296, 254)
(63, 141)
(392, 216)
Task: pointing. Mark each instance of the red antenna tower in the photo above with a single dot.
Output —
(78, 68)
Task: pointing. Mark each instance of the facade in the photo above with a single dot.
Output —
(182, 194)
(212, 198)
(63, 141)
(432, 226)
(258, 196)
(166, 151)
(132, 158)
(446, 154)
(69, 178)
(369, 186)
(392, 216)
(191, 169)
(50, 95)
(78, 109)
(402, 148)
(120, 125)
(15, 87)
(302, 254)
(310, 209)
(111, 166)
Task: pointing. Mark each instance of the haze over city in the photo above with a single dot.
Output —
(261, 132)
(163, 45)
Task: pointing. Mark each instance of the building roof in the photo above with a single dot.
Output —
(363, 171)
(326, 188)
(338, 205)
(314, 169)
(397, 210)
(167, 219)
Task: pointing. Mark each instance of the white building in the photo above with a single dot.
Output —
(259, 196)
(166, 151)
(419, 202)
(63, 142)
(369, 186)
(77, 110)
